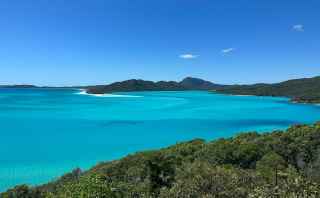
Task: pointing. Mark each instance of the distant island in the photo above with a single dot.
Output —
(278, 164)
(22, 86)
(18, 86)
(188, 83)
(304, 90)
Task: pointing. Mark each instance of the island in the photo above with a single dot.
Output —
(304, 90)
(18, 86)
(188, 83)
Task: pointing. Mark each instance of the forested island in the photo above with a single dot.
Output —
(277, 164)
(18, 86)
(304, 90)
(188, 83)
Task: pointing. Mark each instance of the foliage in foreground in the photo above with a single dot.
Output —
(277, 164)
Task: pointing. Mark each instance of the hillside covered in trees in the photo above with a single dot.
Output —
(188, 83)
(304, 90)
(277, 164)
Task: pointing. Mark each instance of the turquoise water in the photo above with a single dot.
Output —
(45, 133)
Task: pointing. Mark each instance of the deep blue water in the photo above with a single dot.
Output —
(45, 133)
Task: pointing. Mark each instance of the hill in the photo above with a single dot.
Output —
(18, 86)
(277, 164)
(198, 84)
(142, 85)
(135, 85)
(304, 90)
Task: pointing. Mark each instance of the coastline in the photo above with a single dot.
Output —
(84, 92)
(290, 99)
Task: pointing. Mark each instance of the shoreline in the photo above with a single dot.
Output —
(84, 92)
(290, 100)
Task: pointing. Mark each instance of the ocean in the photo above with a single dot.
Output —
(45, 133)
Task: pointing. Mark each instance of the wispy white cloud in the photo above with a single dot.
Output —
(298, 28)
(228, 50)
(188, 56)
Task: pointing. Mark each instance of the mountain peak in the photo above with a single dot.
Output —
(197, 83)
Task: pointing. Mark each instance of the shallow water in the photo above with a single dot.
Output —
(45, 133)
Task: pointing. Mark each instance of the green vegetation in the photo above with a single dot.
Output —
(277, 164)
(305, 90)
(142, 85)
(18, 86)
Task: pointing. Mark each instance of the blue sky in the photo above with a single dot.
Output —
(78, 42)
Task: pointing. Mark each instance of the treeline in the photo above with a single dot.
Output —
(305, 90)
(18, 86)
(188, 83)
(278, 164)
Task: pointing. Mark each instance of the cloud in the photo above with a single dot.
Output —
(228, 50)
(188, 56)
(298, 28)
